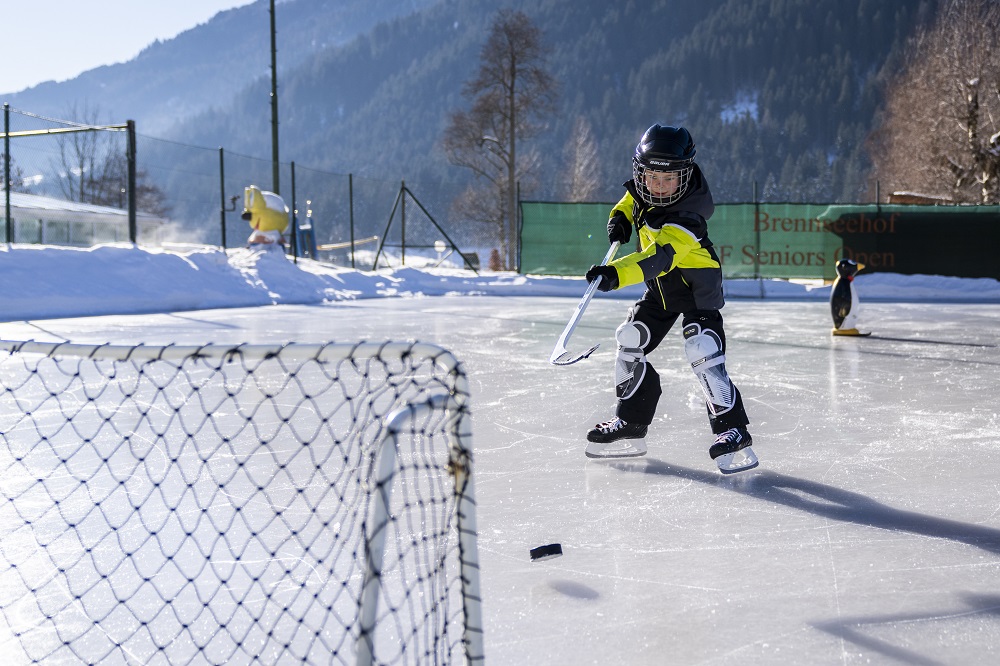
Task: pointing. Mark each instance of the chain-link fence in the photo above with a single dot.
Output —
(83, 183)
(68, 185)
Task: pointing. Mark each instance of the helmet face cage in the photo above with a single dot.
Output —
(641, 168)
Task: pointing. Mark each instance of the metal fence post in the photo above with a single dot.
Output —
(132, 231)
(222, 195)
(756, 241)
(518, 227)
(756, 233)
(295, 220)
(275, 164)
(402, 193)
(6, 172)
(350, 210)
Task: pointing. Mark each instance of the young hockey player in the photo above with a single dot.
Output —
(668, 202)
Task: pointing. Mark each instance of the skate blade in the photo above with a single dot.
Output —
(737, 461)
(623, 448)
(850, 332)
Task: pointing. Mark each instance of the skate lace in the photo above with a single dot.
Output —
(728, 437)
(611, 426)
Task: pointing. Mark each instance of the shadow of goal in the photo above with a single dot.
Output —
(236, 505)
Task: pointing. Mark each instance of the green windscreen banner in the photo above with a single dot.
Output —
(563, 238)
(787, 240)
(779, 240)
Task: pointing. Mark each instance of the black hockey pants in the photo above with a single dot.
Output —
(640, 407)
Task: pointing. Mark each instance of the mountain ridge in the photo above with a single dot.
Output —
(208, 64)
(779, 94)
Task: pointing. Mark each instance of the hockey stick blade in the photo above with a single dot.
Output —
(560, 355)
(566, 358)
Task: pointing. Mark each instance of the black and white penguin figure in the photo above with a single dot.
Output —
(844, 299)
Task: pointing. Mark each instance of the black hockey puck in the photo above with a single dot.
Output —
(546, 552)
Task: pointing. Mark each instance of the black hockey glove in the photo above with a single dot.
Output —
(609, 274)
(619, 228)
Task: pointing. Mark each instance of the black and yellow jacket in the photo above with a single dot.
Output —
(670, 237)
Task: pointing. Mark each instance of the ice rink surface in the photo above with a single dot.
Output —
(870, 533)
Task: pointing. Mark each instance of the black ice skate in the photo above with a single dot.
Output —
(732, 451)
(616, 439)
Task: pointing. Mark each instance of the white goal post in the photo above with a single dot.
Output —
(249, 504)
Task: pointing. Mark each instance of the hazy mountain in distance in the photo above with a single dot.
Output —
(206, 66)
(780, 95)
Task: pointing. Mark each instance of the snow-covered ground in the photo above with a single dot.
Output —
(43, 282)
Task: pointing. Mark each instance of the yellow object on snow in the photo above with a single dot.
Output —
(265, 211)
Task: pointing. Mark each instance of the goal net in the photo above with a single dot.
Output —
(236, 505)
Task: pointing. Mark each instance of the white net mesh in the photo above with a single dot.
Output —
(215, 505)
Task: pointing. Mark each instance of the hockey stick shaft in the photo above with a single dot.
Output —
(560, 355)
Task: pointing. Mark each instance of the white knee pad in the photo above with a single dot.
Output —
(630, 365)
(704, 350)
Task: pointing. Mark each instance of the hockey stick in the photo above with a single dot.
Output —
(560, 356)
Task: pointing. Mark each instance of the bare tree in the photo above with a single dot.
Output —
(510, 94)
(149, 198)
(109, 186)
(79, 156)
(581, 178)
(941, 130)
(94, 168)
(16, 179)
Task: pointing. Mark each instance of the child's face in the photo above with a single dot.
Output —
(662, 183)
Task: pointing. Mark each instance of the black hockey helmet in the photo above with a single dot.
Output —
(663, 148)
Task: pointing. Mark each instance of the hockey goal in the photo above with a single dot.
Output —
(236, 505)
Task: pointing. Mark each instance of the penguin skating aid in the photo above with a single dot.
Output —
(844, 302)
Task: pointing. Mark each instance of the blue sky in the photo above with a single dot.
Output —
(59, 39)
